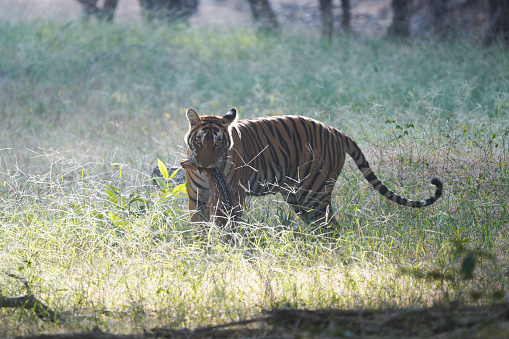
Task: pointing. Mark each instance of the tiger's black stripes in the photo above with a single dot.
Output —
(297, 156)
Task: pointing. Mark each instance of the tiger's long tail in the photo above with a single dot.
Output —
(360, 160)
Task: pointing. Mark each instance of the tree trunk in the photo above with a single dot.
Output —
(400, 25)
(439, 18)
(263, 14)
(498, 28)
(109, 9)
(327, 19)
(345, 21)
(326, 9)
(90, 8)
(171, 10)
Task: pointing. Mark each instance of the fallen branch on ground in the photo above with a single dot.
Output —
(29, 302)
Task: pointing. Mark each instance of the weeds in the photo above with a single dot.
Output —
(88, 109)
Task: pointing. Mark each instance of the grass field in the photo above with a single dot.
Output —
(87, 109)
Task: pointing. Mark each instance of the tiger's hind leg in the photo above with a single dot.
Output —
(318, 212)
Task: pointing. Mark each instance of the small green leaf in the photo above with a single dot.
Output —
(165, 192)
(475, 295)
(180, 189)
(498, 295)
(160, 182)
(175, 173)
(114, 189)
(134, 198)
(116, 219)
(112, 197)
(97, 215)
(162, 169)
(170, 212)
(467, 267)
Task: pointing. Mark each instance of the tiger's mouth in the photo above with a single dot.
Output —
(192, 164)
(188, 164)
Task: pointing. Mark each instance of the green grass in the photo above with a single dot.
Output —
(87, 106)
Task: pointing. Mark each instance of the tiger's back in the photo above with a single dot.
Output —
(289, 150)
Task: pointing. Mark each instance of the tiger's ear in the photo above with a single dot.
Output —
(230, 117)
(193, 117)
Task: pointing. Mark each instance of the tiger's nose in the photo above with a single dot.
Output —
(207, 158)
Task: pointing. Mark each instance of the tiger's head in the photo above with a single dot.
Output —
(209, 137)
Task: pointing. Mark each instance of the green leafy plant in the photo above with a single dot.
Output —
(404, 129)
(165, 182)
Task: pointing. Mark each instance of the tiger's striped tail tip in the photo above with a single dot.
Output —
(439, 188)
(431, 200)
(438, 183)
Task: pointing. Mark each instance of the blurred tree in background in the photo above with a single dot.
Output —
(400, 25)
(263, 14)
(498, 27)
(171, 10)
(105, 13)
(327, 18)
(443, 19)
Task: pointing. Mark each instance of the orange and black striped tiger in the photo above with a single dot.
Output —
(299, 157)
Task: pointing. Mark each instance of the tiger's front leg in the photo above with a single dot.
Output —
(199, 197)
(198, 192)
(199, 212)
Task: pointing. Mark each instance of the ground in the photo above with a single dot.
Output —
(436, 322)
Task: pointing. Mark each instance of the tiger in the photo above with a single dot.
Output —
(297, 156)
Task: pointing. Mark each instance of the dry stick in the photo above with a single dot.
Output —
(29, 302)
